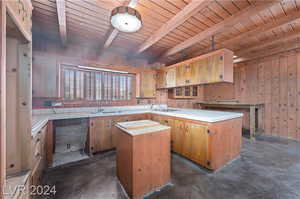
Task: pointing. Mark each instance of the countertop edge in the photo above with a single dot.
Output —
(40, 123)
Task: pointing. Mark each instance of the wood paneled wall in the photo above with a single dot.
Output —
(274, 81)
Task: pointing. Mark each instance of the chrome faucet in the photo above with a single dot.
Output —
(151, 107)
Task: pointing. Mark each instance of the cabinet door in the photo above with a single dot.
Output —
(203, 71)
(195, 73)
(186, 140)
(148, 84)
(161, 79)
(198, 144)
(114, 130)
(102, 133)
(188, 74)
(215, 68)
(187, 91)
(171, 78)
(180, 75)
(170, 123)
(178, 134)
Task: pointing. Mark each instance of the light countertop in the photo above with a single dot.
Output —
(141, 127)
(40, 118)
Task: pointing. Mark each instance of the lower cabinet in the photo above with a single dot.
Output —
(210, 145)
(39, 160)
(177, 135)
(100, 127)
(196, 144)
(102, 131)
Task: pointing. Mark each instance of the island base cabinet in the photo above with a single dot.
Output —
(211, 145)
(224, 142)
(143, 162)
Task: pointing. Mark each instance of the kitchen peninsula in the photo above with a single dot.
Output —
(208, 138)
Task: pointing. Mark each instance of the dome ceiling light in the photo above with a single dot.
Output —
(126, 19)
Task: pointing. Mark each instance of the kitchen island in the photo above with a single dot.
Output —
(143, 157)
(208, 138)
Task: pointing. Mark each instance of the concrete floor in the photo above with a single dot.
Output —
(268, 169)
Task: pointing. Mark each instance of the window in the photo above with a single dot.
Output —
(94, 85)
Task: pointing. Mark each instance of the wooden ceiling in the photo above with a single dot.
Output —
(177, 29)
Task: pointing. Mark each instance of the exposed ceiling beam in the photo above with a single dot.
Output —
(61, 14)
(111, 37)
(291, 18)
(283, 38)
(285, 20)
(188, 11)
(225, 24)
(114, 33)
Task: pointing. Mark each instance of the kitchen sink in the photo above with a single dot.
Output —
(165, 110)
(111, 112)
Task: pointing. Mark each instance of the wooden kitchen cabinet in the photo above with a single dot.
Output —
(181, 75)
(161, 79)
(196, 143)
(177, 135)
(213, 67)
(171, 78)
(143, 159)
(146, 84)
(101, 129)
(185, 92)
(210, 145)
(102, 132)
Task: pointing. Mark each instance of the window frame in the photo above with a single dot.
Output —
(106, 99)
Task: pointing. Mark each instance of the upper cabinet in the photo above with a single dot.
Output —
(214, 67)
(21, 12)
(146, 84)
(166, 78)
(171, 78)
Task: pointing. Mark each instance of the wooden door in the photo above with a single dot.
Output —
(171, 78)
(198, 143)
(195, 73)
(203, 71)
(186, 140)
(188, 74)
(148, 84)
(114, 129)
(161, 79)
(180, 75)
(178, 134)
(170, 123)
(101, 129)
(215, 68)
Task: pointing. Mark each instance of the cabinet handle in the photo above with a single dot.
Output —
(221, 76)
(209, 131)
(208, 163)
